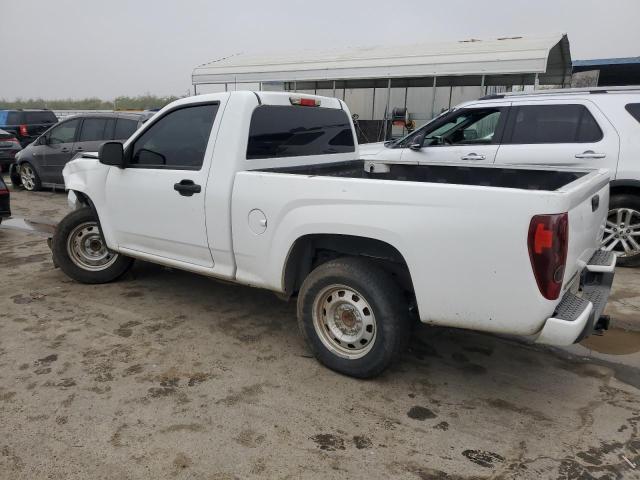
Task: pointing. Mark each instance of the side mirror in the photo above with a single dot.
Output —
(416, 143)
(111, 153)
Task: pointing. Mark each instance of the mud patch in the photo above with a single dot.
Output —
(125, 330)
(183, 427)
(133, 370)
(614, 342)
(444, 426)
(5, 397)
(26, 299)
(198, 378)
(361, 442)
(247, 394)
(328, 442)
(182, 461)
(420, 413)
(158, 392)
(48, 360)
(508, 406)
(483, 458)
(250, 438)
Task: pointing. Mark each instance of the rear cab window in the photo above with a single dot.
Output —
(565, 123)
(293, 131)
(632, 108)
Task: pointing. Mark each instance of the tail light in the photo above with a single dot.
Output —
(548, 241)
(304, 102)
(23, 130)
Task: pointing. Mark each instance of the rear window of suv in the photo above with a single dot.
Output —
(634, 110)
(32, 118)
(292, 131)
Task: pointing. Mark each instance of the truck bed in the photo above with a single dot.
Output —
(479, 175)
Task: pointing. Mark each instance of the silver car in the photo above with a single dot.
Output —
(40, 164)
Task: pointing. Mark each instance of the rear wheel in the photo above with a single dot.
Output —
(29, 177)
(622, 232)
(354, 317)
(80, 252)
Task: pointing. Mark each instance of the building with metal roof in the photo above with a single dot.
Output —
(423, 78)
(608, 72)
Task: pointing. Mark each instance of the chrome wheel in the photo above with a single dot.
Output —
(622, 232)
(28, 176)
(344, 321)
(87, 250)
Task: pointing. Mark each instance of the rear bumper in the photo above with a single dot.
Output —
(579, 314)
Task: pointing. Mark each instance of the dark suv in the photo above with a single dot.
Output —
(40, 164)
(26, 125)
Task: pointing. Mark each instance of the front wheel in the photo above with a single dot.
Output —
(80, 252)
(29, 177)
(622, 232)
(353, 316)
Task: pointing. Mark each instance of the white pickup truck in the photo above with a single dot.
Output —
(266, 189)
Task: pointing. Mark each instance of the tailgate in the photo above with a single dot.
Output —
(589, 204)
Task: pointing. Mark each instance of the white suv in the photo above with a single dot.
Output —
(595, 128)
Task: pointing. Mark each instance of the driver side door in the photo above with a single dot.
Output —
(156, 204)
(470, 135)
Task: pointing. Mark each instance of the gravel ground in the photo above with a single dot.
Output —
(166, 374)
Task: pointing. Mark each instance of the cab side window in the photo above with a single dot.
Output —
(176, 141)
(64, 133)
(536, 124)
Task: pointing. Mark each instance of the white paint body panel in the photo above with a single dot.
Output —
(465, 246)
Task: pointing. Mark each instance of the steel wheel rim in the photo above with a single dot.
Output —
(87, 250)
(622, 232)
(28, 177)
(344, 321)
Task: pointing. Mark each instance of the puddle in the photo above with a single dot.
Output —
(614, 342)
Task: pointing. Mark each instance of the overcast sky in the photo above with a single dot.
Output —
(105, 48)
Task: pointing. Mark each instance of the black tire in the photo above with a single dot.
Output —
(14, 175)
(627, 201)
(83, 220)
(35, 184)
(380, 291)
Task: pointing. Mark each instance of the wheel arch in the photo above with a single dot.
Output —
(625, 187)
(311, 250)
(85, 200)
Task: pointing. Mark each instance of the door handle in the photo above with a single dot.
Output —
(590, 154)
(64, 150)
(186, 188)
(472, 156)
(79, 149)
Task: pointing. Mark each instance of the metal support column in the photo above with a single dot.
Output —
(536, 82)
(482, 86)
(387, 113)
(334, 88)
(433, 101)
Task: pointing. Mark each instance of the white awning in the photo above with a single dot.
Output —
(547, 56)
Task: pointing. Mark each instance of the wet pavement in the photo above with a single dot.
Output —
(166, 374)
